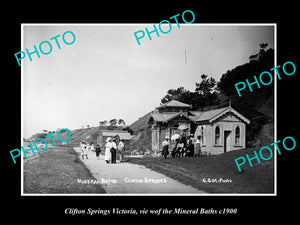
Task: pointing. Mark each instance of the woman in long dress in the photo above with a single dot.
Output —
(198, 146)
(108, 146)
(83, 149)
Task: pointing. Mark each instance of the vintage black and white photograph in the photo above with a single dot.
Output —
(129, 109)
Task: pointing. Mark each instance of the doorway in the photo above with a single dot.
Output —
(227, 140)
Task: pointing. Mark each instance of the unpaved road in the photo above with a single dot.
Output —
(126, 178)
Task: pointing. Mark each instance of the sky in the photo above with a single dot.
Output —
(105, 74)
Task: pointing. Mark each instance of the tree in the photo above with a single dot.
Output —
(103, 123)
(121, 122)
(262, 48)
(205, 93)
(113, 122)
(240, 73)
(207, 85)
(179, 94)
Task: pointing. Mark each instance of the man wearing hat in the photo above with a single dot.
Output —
(113, 150)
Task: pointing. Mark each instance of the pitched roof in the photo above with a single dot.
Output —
(174, 103)
(165, 117)
(214, 114)
(196, 116)
(111, 133)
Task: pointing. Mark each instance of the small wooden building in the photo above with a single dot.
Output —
(104, 134)
(221, 130)
(165, 121)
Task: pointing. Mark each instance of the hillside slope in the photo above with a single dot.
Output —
(140, 123)
(78, 135)
(142, 131)
(257, 106)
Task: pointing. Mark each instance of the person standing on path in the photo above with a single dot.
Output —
(87, 149)
(108, 146)
(84, 152)
(198, 146)
(83, 149)
(121, 150)
(92, 147)
(98, 150)
(113, 151)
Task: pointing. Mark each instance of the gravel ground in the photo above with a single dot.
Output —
(126, 178)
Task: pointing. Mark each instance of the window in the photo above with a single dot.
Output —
(217, 135)
(237, 136)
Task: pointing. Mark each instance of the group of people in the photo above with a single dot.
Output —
(184, 147)
(112, 147)
(86, 147)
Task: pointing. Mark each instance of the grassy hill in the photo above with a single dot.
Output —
(142, 131)
(56, 171)
(77, 135)
(141, 123)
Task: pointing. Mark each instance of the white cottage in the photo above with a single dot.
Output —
(222, 129)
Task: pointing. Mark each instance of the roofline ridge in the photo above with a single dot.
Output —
(174, 100)
(231, 109)
(216, 116)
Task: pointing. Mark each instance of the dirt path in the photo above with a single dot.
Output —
(126, 178)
